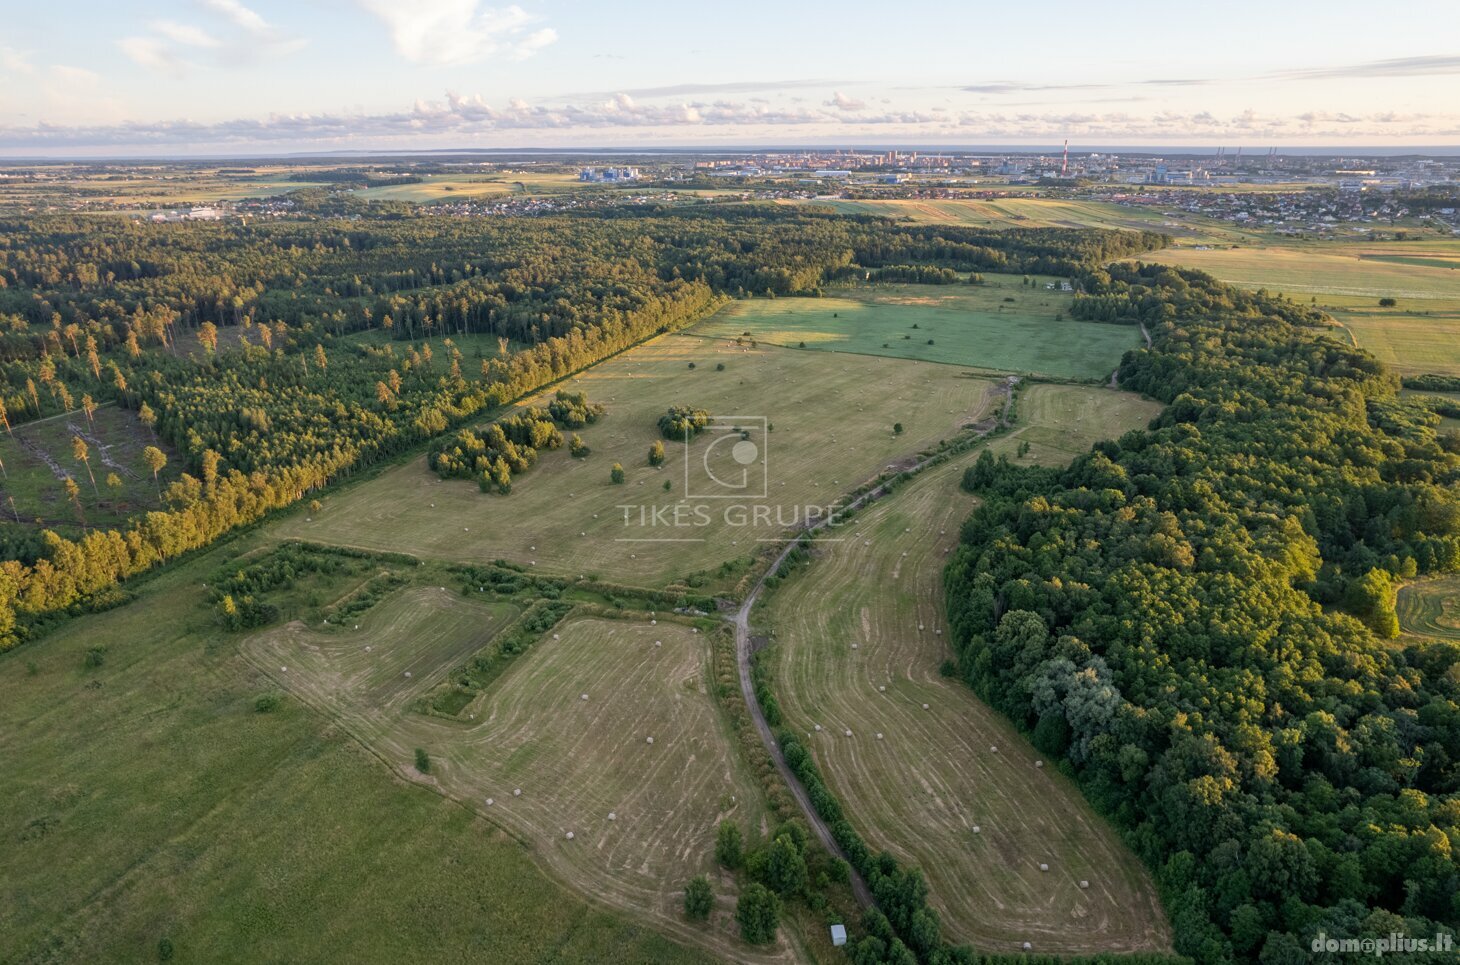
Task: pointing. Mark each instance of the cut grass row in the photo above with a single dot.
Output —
(640, 773)
(147, 799)
(928, 772)
(1431, 608)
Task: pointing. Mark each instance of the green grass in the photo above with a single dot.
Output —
(146, 798)
(920, 788)
(970, 325)
(1419, 334)
(38, 454)
(564, 516)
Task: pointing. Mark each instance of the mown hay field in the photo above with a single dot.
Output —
(928, 771)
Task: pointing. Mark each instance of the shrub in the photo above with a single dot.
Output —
(423, 761)
(698, 898)
(95, 657)
(264, 703)
(759, 914)
(728, 845)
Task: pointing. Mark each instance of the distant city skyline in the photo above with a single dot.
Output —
(176, 77)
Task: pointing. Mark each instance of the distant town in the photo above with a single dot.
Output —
(1285, 193)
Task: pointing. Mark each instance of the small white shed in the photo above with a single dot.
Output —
(838, 935)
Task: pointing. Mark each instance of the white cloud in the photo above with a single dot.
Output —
(446, 32)
(461, 120)
(184, 33)
(14, 61)
(844, 103)
(154, 53)
(241, 17)
(242, 36)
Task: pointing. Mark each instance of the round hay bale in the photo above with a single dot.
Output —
(879, 735)
(466, 529)
(920, 628)
(490, 802)
(367, 649)
(556, 637)
(1028, 947)
(283, 670)
(1084, 883)
(993, 749)
(408, 673)
(977, 829)
(533, 548)
(653, 623)
(582, 696)
(854, 646)
(517, 792)
(569, 835)
(849, 733)
(925, 706)
(658, 643)
(582, 534)
(818, 727)
(882, 689)
(648, 740)
(1043, 866)
(1039, 763)
(612, 816)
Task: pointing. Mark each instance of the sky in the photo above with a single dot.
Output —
(177, 77)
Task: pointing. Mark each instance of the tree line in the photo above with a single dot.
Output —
(1199, 618)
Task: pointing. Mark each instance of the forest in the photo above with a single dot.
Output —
(1199, 618)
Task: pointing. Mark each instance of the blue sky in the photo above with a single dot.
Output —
(211, 76)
